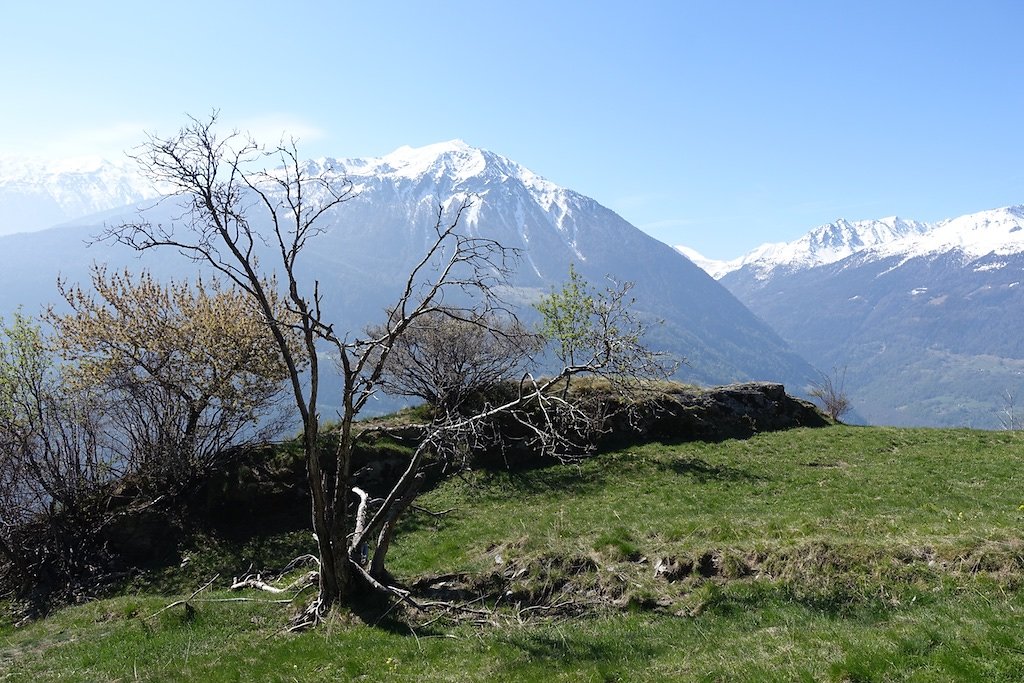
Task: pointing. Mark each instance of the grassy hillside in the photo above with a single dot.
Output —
(838, 554)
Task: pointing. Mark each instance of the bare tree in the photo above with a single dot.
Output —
(445, 358)
(831, 391)
(1008, 418)
(213, 175)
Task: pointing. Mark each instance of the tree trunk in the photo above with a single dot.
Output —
(387, 531)
(339, 520)
(334, 575)
(331, 488)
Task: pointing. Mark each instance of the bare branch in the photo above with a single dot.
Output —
(831, 391)
(449, 337)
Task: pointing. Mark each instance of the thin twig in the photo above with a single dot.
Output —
(186, 600)
(440, 513)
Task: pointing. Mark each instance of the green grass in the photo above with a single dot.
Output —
(952, 491)
(839, 554)
(746, 636)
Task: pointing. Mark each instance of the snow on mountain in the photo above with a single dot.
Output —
(454, 164)
(371, 242)
(926, 317)
(454, 171)
(37, 194)
(996, 231)
(825, 244)
(455, 159)
(712, 267)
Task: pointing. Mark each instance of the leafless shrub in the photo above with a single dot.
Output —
(1008, 418)
(446, 357)
(831, 391)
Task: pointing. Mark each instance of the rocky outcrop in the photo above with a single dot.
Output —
(734, 411)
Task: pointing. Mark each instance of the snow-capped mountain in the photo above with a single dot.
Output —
(453, 171)
(712, 267)
(926, 318)
(999, 231)
(825, 244)
(37, 194)
(995, 232)
(373, 240)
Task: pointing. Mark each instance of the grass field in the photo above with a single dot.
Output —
(838, 554)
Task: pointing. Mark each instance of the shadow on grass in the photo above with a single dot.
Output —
(508, 485)
(703, 471)
(836, 600)
(575, 646)
(206, 556)
(380, 612)
(566, 479)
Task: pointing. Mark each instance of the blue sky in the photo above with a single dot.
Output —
(719, 125)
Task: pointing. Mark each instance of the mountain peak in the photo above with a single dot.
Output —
(455, 164)
(434, 150)
(712, 267)
(824, 244)
(995, 231)
(837, 240)
(39, 169)
(455, 158)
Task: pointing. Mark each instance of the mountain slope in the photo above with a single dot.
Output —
(926, 322)
(375, 238)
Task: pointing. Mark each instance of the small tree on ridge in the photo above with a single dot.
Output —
(231, 214)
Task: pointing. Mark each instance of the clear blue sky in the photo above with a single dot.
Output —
(715, 124)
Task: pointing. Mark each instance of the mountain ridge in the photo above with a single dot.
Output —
(375, 237)
(999, 230)
(925, 323)
(36, 194)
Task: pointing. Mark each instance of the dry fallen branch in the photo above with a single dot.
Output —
(432, 513)
(255, 581)
(186, 601)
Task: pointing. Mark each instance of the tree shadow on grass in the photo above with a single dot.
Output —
(566, 479)
(703, 471)
(383, 613)
(576, 646)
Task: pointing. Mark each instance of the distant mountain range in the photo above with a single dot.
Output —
(926, 318)
(826, 244)
(36, 194)
(375, 238)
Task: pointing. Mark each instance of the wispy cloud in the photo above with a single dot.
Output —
(112, 140)
(270, 128)
(109, 141)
